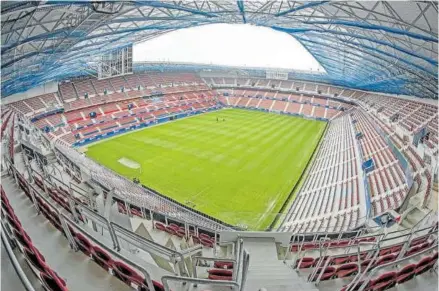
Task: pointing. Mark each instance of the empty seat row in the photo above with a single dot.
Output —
(50, 280)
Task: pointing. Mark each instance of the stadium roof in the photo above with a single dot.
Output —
(387, 46)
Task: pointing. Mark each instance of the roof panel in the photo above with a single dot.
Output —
(357, 43)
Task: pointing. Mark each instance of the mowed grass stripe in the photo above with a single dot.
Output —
(240, 170)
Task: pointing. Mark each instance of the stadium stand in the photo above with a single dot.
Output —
(22, 107)
(332, 198)
(84, 87)
(67, 91)
(362, 215)
(119, 83)
(102, 85)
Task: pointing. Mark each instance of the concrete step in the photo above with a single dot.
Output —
(269, 273)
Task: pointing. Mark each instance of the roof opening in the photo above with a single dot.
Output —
(231, 45)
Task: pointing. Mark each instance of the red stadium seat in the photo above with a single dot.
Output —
(13, 221)
(417, 241)
(121, 208)
(35, 259)
(383, 282)
(174, 226)
(51, 282)
(406, 274)
(396, 249)
(160, 226)
(386, 259)
(217, 277)
(136, 211)
(339, 260)
(102, 258)
(157, 287)
(385, 251)
(354, 258)
(171, 230)
(22, 238)
(364, 264)
(181, 232)
(423, 265)
(320, 260)
(307, 246)
(205, 236)
(412, 251)
(305, 263)
(206, 242)
(83, 244)
(347, 270)
(434, 258)
(328, 273)
(223, 265)
(56, 222)
(220, 272)
(127, 275)
(356, 287)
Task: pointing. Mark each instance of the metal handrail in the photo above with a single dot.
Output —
(154, 247)
(245, 266)
(240, 250)
(396, 262)
(162, 250)
(94, 216)
(23, 278)
(67, 152)
(425, 216)
(290, 246)
(112, 226)
(321, 258)
(113, 252)
(334, 233)
(353, 283)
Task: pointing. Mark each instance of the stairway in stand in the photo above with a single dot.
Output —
(269, 273)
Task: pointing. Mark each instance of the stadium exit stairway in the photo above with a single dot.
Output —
(266, 272)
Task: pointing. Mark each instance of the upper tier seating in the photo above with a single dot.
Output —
(22, 107)
(36, 105)
(102, 85)
(409, 115)
(84, 86)
(107, 113)
(134, 82)
(50, 100)
(388, 185)
(67, 91)
(118, 83)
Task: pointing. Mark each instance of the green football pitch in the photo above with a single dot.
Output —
(240, 168)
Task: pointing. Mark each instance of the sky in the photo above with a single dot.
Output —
(228, 44)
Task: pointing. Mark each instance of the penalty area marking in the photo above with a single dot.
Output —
(129, 163)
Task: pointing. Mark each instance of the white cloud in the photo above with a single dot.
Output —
(228, 44)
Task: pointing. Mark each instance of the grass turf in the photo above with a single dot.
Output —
(240, 170)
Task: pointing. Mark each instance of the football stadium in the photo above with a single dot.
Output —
(219, 145)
